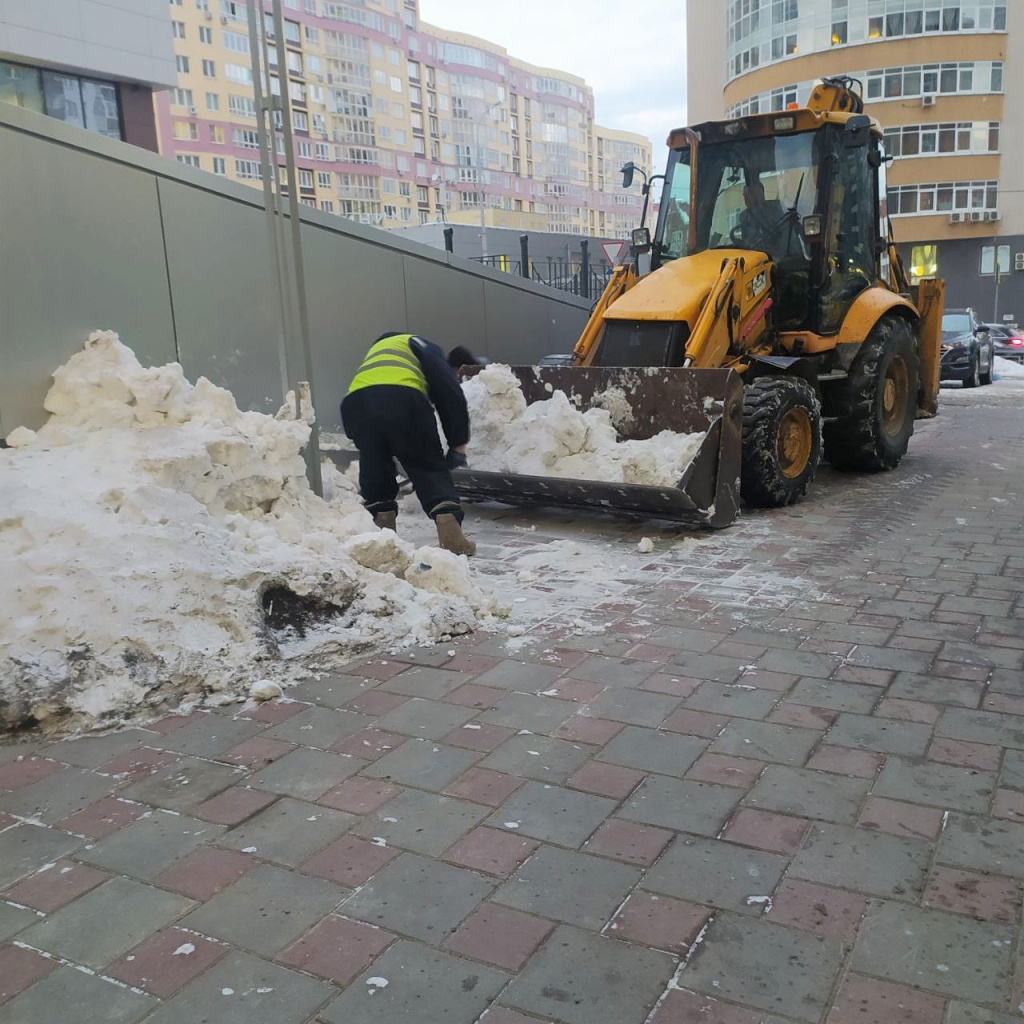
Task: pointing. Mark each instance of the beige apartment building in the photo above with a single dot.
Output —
(944, 81)
(399, 123)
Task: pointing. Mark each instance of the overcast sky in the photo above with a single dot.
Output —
(633, 55)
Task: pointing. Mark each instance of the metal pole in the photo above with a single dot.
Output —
(524, 255)
(584, 269)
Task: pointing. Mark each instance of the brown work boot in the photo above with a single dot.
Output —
(451, 537)
(386, 520)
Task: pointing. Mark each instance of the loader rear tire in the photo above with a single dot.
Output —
(781, 440)
(875, 414)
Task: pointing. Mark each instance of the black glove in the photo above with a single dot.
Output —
(455, 460)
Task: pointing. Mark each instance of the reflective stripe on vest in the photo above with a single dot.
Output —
(390, 361)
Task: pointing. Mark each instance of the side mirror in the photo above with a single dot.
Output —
(627, 174)
(857, 132)
(640, 240)
(812, 228)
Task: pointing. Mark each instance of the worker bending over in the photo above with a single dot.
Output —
(389, 414)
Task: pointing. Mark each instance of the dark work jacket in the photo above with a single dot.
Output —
(444, 390)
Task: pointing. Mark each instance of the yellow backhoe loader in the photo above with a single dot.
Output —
(769, 308)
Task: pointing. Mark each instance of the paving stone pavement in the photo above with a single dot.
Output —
(783, 784)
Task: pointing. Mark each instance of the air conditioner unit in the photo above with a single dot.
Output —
(192, 111)
(223, 19)
(955, 218)
(993, 215)
(977, 215)
(928, 101)
(1018, 261)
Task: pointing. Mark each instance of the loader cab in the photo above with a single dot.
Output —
(800, 187)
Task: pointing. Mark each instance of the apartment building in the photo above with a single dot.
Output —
(88, 63)
(397, 122)
(938, 74)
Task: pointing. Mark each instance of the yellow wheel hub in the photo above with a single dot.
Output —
(895, 395)
(796, 439)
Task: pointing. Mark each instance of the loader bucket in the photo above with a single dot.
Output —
(684, 401)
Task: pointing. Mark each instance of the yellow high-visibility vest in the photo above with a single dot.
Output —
(390, 361)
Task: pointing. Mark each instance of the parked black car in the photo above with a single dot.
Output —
(1007, 342)
(967, 348)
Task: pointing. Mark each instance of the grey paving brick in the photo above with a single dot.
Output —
(785, 744)
(569, 887)
(755, 637)
(946, 953)
(266, 909)
(891, 657)
(241, 989)
(983, 844)
(759, 964)
(14, 919)
(288, 831)
(515, 675)
(961, 1013)
(614, 672)
(319, 727)
(418, 897)
(809, 794)
(648, 750)
(425, 719)
(530, 711)
(935, 690)
(716, 873)
(422, 822)
(708, 666)
(1013, 769)
(886, 735)
(984, 657)
(635, 707)
(852, 858)
(26, 848)
(150, 844)
(742, 701)
(433, 683)
(582, 978)
(209, 735)
(982, 727)
(685, 806)
(538, 757)
(423, 763)
(93, 751)
(835, 695)
(68, 996)
(684, 639)
(800, 663)
(331, 691)
(106, 922)
(305, 773)
(424, 985)
(57, 796)
(183, 786)
(942, 785)
(552, 814)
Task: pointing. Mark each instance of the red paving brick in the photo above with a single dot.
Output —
(817, 909)
(674, 686)
(166, 961)
(503, 1015)
(900, 819)
(480, 736)
(606, 780)
(563, 658)
(870, 1001)
(103, 817)
(349, 861)
(651, 652)
(369, 744)
(681, 1007)
(582, 729)
(801, 715)
(859, 674)
(1004, 702)
(467, 661)
(377, 668)
(490, 851)
(695, 723)
(726, 770)
(500, 936)
(23, 771)
(273, 712)
(171, 723)
(766, 680)
(986, 896)
(952, 670)
(864, 764)
(579, 690)
(234, 805)
(337, 949)
(908, 710)
(659, 921)
(59, 884)
(359, 795)
(624, 840)
(969, 755)
(485, 786)
(375, 702)
(473, 695)
(258, 752)
(20, 968)
(134, 764)
(205, 872)
(1008, 804)
(766, 830)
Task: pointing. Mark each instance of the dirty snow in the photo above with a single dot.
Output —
(149, 522)
(1008, 368)
(553, 438)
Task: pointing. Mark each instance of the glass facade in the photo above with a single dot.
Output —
(85, 102)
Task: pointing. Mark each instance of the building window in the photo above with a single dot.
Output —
(972, 200)
(212, 101)
(178, 29)
(236, 41)
(248, 170)
(238, 73)
(186, 130)
(217, 134)
(943, 139)
(206, 35)
(396, 83)
(989, 255)
(180, 97)
(181, 63)
(300, 121)
(327, 205)
(305, 178)
(245, 138)
(924, 262)
(191, 161)
(242, 106)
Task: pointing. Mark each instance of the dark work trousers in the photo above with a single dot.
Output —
(387, 422)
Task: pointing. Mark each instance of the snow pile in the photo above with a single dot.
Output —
(553, 438)
(1008, 368)
(156, 542)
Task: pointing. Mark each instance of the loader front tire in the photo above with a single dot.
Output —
(875, 414)
(781, 440)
